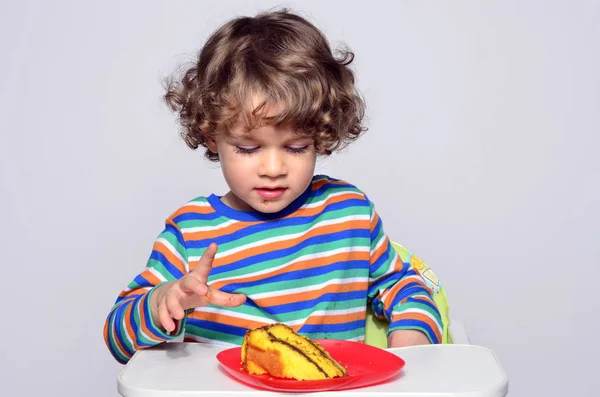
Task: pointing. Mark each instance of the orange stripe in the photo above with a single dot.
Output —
(336, 318)
(152, 279)
(318, 184)
(281, 245)
(174, 260)
(301, 265)
(172, 223)
(381, 250)
(308, 295)
(115, 338)
(126, 294)
(423, 298)
(143, 320)
(106, 340)
(419, 317)
(129, 328)
(395, 289)
(250, 324)
(374, 221)
(193, 209)
(242, 225)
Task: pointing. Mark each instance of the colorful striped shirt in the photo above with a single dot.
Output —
(315, 266)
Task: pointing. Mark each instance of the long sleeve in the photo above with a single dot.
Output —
(129, 326)
(398, 292)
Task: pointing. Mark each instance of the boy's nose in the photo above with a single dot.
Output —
(272, 164)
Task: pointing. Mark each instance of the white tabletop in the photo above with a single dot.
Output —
(191, 369)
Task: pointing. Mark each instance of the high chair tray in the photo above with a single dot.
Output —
(191, 369)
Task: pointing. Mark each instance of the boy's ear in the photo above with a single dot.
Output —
(211, 144)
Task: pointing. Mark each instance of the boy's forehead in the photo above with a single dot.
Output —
(266, 133)
(240, 131)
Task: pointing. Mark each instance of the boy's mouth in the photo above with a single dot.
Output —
(270, 192)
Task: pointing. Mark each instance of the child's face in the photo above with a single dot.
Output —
(266, 168)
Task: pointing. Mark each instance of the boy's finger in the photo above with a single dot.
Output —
(165, 318)
(204, 265)
(220, 298)
(191, 285)
(174, 307)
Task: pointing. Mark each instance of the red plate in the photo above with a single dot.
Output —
(365, 366)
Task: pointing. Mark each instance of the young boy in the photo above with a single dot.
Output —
(265, 98)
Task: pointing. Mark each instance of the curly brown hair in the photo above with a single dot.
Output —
(280, 58)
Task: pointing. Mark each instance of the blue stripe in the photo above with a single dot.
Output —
(174, 271)
(128, 297)
(111, 325)
(134, 324)
(378, 307)
(376, 231)
(424, 303)
(195, 216)
(405, 292)
(327, 188)
(217, 327)
(285, 252)
(412, 324)
(329, 328)
(141, 281)
(145, 302)
(298, 275)
(273, 226)
(119, 321)
(309, 304)
(377, 285)
(386, 257)
(175, 232)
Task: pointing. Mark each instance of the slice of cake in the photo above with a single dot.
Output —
(279, 351)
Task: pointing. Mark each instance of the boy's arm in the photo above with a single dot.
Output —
(399, 294)
(129, 325)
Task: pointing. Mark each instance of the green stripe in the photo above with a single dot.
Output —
(215, 335)
(160, 268)
(282, 286)
(138, 320)
(274, 232)
(336, 335)
(193, 223)
(113, 344)
(313, 250)
(172, 239)
(299, 314)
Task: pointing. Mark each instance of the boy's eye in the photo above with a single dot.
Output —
(246, 149)
(297, 149)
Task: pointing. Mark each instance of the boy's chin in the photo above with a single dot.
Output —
(270, 207)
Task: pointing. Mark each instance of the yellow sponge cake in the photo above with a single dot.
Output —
(279, 351)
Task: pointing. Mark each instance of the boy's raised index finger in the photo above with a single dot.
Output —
(204, 265)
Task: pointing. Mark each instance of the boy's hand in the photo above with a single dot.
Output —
(407, 337)
(171, 299)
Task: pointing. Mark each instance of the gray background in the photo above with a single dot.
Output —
(482, 157)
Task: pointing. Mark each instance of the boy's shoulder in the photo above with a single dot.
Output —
(325, 185)
(197, 209)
